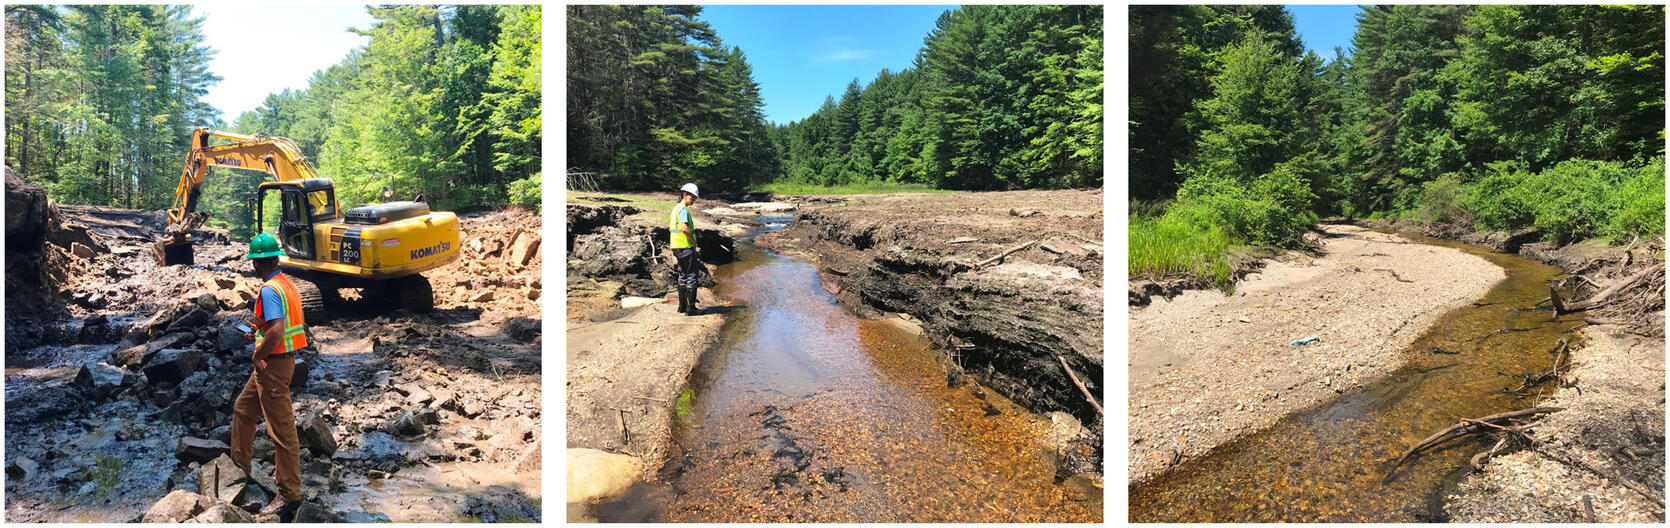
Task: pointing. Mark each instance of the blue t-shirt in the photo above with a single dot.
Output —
(272, 304)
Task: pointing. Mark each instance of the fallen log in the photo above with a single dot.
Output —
(1601, 298)
(1005, 253)
(1460, 429)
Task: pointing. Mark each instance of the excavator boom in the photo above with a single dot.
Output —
(276, 156)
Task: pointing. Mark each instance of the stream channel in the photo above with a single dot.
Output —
(804, 412)
(1326, 464)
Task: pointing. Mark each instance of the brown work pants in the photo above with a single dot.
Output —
(268, 394)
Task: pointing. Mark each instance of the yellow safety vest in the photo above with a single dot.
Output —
(295, 332)
(679, 241)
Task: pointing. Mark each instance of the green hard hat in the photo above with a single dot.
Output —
(263, 245)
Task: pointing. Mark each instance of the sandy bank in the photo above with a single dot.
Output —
(1206, 367)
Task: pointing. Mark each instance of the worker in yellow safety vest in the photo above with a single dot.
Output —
(682, 226)
(279, 333)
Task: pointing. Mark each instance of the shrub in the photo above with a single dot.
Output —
(525, 192)
(1640, 204)
(1442, 201)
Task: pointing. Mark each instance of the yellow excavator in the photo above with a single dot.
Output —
(380, 249)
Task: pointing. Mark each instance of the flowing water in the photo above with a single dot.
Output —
(1326, 464)
(806, 413)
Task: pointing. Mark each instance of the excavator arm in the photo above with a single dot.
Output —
(276, 156)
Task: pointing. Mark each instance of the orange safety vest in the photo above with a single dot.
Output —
(295, 332)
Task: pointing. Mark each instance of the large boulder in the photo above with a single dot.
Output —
(224, 514)
(173, 365)
(317, 435)
(29, 215)
(138, 355)
(524, 248)
(100, 378)
(594, 475)
(221, 479)
(177, 506)
(529, 462)
(190, 322)
(193, 449)
(309, 512)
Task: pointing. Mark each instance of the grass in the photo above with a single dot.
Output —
(107, 472)
(651, 209)
(1166, 247)
(854, 188)
(686, 399)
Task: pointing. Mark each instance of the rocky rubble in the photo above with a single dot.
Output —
(124, 394)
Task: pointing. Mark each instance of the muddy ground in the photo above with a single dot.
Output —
(1009, 322)
(1207, 366)
(120, 376)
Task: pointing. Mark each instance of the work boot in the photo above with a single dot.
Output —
(280, 507)
(683, 300)
(692, 309)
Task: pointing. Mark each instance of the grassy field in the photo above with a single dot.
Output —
(651, 209)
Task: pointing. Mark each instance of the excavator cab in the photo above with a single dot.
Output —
(302, 205)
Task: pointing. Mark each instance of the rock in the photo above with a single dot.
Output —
(136, 356)
(299, 376)
(81, 251)
(193, 449)
(317, 435)
(407, 425)
(207, 303)
(524, 248)
(22, 468)
(100, 378)
(221, 479)
(230, 339)
(529, 462)
(173, 365)
(634, 302)
(481, 296)
(595, 475)
(177, 506)
(1023, 213)
(28, 213)
(765, 207)
(1064, 428)
(67, 235)
(223, 514)
(190, 321)
(418, 396)
(308, 512)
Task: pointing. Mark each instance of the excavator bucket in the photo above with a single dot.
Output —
(180, 252)
(175, 246)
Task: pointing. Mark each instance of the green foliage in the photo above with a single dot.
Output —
(1574, 199)
(1001, 97)
(1442, 201)
(107, 472)
(100, 97)
(655, 99)
(525, 192)
(444, 102)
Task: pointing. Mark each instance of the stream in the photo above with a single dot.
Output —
(804, 412)
(1326, 464)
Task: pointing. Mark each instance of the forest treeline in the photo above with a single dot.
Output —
(1491, 116)
(100, 99)
(443, 103)
(999, 97)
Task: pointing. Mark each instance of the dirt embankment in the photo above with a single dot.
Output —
(1206, 367)
(1009, 283)
(119, 399)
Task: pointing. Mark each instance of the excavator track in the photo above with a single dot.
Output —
(313, 302)
(415, 293)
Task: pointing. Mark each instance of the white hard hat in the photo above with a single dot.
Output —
(690, 188)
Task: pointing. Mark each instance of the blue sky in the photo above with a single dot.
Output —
(801, 54)
(1322, 27)
(261, 48)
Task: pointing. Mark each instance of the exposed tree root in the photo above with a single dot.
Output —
(1466, 427)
